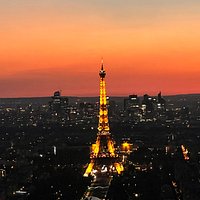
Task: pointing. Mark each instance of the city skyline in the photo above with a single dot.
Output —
(148, 46)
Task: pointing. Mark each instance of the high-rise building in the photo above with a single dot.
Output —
(131, 102)
(148, 102)
(132, 108)
(58, 103)
(161, 103)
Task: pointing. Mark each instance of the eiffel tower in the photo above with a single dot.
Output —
(103, 150)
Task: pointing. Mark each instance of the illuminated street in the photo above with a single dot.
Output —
(99, 186)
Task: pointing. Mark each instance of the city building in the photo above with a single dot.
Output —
(58, 104)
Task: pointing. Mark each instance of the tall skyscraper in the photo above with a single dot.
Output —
(161, 103)
(131, 102)
(58, 103)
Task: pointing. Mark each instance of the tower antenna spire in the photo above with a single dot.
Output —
(102, 64)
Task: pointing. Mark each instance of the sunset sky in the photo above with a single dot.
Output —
(147, 45)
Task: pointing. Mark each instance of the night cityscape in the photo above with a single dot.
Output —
(152, 153)
(99, 100)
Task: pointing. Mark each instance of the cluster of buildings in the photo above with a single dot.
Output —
(129, 112)
(154, 111)
(144, 110)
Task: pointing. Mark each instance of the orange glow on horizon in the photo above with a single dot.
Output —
(147, 47)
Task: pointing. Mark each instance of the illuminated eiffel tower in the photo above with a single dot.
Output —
(103, 149)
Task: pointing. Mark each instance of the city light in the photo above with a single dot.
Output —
(185, 152)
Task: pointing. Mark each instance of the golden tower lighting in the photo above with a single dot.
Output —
(99, 149)
(103, 110)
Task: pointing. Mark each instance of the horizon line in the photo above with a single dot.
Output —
(96, 96)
